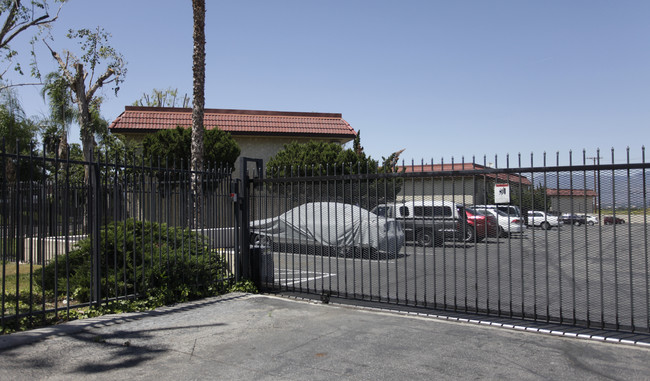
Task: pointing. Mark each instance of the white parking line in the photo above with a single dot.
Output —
(301, 279)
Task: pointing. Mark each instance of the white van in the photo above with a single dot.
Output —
(426, 222)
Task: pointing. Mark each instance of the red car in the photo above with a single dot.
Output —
(613, 220)
(480, 225)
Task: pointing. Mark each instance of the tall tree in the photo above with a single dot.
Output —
(18, 18)
(80, 74)
(198, 104)
(62, 111)
(173, 148)
(175, 145)
(18, 133)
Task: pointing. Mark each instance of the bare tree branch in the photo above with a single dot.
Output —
(3, 87)
(100, 82)
(7, 35)
(62, 65)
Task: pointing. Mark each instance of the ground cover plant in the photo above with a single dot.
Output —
(143, 265)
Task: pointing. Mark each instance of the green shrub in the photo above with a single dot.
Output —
(244, 286)
(140, 258)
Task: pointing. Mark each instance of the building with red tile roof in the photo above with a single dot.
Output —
(578, 201)
(455, 182)
(260, 134)
(450, 167)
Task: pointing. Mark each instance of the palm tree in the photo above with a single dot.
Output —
(62, 110)
(17, 131)
(198, 104)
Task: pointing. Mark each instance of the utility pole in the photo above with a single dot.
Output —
(596, 188)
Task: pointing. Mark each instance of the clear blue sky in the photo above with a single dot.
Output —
(440, 79)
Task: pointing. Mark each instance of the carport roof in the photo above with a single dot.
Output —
(237, 122)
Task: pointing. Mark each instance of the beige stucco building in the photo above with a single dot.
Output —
(443, 182)
(260, 134)
(577, 201)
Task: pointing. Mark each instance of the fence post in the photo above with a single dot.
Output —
(94, 222)
(247, 265)
(234, 194)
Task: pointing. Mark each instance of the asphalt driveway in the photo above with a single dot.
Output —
(243, 336)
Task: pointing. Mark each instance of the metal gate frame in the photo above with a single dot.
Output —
(539, 308)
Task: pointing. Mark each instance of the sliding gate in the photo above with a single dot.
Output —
(589, 272)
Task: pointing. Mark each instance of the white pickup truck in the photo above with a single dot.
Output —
(542, 219)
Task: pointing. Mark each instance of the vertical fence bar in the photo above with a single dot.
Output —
(521, 254)
(645, 241)
(320, 251)
(560, 279)
(629, 240)
(328, 196)
(125, 210)
(455, 260)
(30, 233)
(42, 228)
(94, 221)
(600, 246)
(573, 262)
(324, 250)
(159, 220)
(5, 234)
(586, 261)
(616, 303)
(116, 217)
(19, 251)
(65, 231)
(524, 211)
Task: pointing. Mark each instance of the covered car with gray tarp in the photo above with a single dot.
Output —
(343, 228)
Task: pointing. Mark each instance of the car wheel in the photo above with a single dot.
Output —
(262, 240)
(345, 251)
(577, 223)
(470, 234)
(424, 238)
(372, 253)
(502, 233)
(545, 225)
(591, 223)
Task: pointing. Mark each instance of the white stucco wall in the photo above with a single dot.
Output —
(257, 147)
(265, 147)
(456, 190)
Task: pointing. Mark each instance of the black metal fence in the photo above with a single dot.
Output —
(68, 241)
(573, 250)
(426, 235)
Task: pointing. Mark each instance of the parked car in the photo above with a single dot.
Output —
(573, 219)
(541, 219)
(332, 225)
(611, 220)
(508, 225)
(426, 222)
(481, 224)
(511, 210)
(591, 220)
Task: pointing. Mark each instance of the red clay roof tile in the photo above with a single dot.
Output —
(237, 122)
(463, 167)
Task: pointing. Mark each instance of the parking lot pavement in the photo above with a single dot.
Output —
(243, 336)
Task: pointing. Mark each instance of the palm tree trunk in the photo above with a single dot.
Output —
(198, 71)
